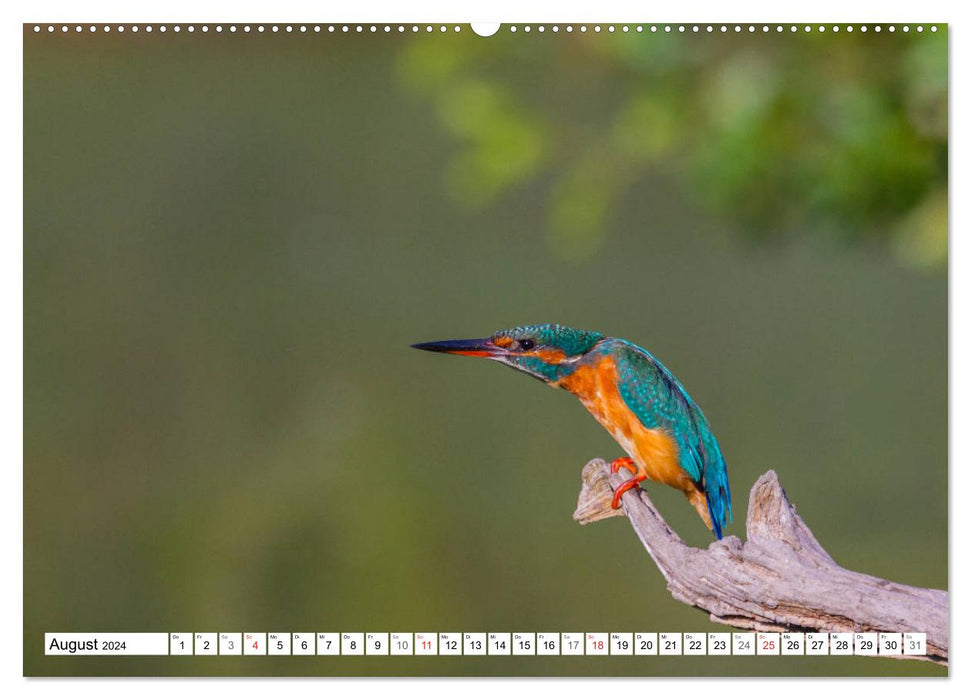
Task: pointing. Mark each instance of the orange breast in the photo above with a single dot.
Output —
(654, 451)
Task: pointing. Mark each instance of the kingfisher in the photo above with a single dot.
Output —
(632, 395)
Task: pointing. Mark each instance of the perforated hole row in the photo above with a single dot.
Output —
(442, 28)
(722, 28)
(246, 28)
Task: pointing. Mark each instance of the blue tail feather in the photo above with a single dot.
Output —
(719, 497)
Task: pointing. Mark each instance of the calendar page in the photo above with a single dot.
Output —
(264, 265)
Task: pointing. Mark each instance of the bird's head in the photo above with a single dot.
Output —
(546, 351)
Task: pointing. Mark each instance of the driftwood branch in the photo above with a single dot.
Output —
(779, 579)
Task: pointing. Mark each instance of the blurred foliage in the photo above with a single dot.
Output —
(766, 133)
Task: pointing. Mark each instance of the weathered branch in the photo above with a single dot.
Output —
(779, 579)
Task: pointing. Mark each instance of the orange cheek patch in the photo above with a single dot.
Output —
(553, 357)
(502, 341)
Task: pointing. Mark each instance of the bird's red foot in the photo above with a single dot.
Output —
(622, 462)
(624, 488)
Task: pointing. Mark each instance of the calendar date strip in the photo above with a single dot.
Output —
(780, 579)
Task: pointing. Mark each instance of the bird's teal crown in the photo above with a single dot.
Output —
(571, 341)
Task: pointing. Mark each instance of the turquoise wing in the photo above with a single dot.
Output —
(659, 401)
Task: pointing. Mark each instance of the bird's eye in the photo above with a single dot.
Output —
(527, 344)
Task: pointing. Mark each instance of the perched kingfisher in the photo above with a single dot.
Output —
(636, 398)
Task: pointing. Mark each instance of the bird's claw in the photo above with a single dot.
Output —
(624, 488)
(622, 463)
(628, 464)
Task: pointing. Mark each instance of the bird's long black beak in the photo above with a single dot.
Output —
(473, 347)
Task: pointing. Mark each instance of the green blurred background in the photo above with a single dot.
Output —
(230, 241)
